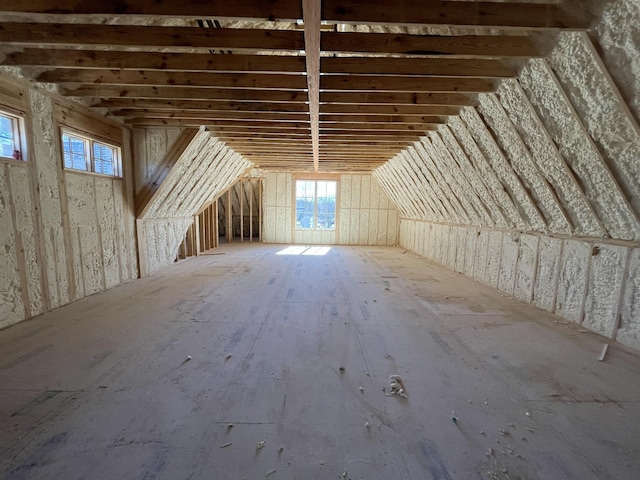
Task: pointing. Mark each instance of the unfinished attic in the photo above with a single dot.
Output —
(320, 239)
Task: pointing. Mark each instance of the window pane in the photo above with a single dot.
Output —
(326, 205)
(315, 205)
(75, 152)
(305, 198)
(7, 137)
(103, 158)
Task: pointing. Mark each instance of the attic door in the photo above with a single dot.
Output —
(240, 212)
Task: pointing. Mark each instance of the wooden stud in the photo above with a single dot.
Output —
(229, 214)
(241, 200)
(250, 210)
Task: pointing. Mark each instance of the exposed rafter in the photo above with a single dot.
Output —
(290, 84)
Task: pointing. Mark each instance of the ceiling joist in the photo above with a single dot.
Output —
(307, 85)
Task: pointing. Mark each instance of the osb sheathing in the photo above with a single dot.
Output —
(536, 190)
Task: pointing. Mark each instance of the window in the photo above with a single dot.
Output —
(316, 204)
(10, 136)
(89, 155)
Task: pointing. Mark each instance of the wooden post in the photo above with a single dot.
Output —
(216, 237)
(182, 251)
(142, 247)
(229, 217)
(251, 210)
(206, 230)
(196, 235)
(260, 210)
(241, 199)
(212, 240)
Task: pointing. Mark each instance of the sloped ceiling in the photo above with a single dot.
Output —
(337, 85)
(554, 150)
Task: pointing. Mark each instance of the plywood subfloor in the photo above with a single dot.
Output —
(103, 388)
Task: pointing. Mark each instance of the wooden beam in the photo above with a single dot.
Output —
(283, 142)
(185, 122)
(277, 149)
(371, 111)
(280, 155)
(232, 134)
(186, 79)
(327, 141)
(271, 10)
(375, 133)
(405, 84)
(324, 149)
(249, 131)
(291, 127)
(450, 67)
(432, 45)
(267, 110)
(311, 16)
(97, 59)
(375, 119)
(417, 127)
(148, 37)
(398, 98)
(253, 117)
(347, 136)
(460, 13)
(184, 93)
(221, 106)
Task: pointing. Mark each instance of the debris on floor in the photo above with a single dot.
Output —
(229, 355)
(397, 386)
(225, 445)
(270, 472)
(603, 352)
(261, 445)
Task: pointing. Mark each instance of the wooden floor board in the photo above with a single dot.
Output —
(146, 379)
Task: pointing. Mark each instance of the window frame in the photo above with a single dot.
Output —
(315, 217)
(18, 130)
(90, 141)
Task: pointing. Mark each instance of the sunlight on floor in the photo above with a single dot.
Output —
(304, 250)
